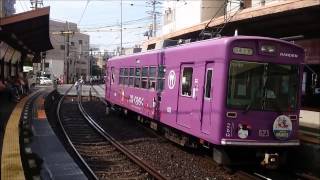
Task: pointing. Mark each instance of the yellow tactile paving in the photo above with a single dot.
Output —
(41, 114)
(11, 165)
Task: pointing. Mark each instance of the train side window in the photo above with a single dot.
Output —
(208, 84)
(161, 78)
(121, 72)
(186, 81)
(144, 82)
(131, 77)
(126, 78)
(152, 78)
(137, 80)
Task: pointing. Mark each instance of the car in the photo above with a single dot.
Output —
(44, 81)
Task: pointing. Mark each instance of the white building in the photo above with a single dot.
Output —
(181, 14)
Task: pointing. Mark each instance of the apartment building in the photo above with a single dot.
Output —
(69, 60)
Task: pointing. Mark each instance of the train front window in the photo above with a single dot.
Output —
(262, 86)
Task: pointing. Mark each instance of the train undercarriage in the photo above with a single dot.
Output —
(268, 157)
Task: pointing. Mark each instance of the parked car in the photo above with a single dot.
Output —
(44, 81)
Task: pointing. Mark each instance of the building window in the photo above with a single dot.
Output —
(72, 43)
(80, 41)
(46, 65)
(62, 47)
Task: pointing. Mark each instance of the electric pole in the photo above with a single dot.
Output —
(154, 12)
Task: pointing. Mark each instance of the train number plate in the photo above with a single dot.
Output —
(263, 132)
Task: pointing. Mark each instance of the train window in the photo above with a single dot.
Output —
(121, 71)
(152, 71)
(126, 72)
(144, 80)
(137, 81)
(152, 84)
(131, 72)
(131, 81)
(161, 78)
(131, 76)
(186, 81)
(144, 71)
(152, 78)
(138, 71)
(125, 77)
(208, 84)
(262, 86)
(120, 75)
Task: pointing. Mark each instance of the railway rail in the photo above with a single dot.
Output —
(102, 155)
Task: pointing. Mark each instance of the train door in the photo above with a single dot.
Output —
(186, 98)
(207, 105)
(111, 81)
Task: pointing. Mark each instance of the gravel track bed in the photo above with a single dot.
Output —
(104, 159)
(173, 161)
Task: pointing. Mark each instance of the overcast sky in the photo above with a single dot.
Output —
(101, 15)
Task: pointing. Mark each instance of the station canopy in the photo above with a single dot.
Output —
(27, 32)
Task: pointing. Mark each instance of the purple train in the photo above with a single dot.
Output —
(226, 93)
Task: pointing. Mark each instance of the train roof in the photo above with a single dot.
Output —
(223, 41)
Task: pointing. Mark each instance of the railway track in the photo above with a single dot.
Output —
(104, 157)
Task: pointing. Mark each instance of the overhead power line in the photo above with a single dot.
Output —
(84, 10)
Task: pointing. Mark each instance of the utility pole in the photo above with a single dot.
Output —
(153, 12)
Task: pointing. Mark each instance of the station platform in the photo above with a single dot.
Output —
(31, 150)
(309, 130)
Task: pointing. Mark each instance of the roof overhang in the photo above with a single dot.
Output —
(27, 32)
(278, 19)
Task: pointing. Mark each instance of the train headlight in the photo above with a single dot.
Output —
(242, 51)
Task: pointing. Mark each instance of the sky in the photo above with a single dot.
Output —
(101, 19)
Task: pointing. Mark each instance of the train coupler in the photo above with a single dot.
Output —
(271, 161)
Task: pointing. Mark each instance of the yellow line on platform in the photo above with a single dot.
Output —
(11, 165)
